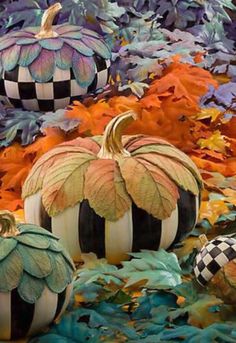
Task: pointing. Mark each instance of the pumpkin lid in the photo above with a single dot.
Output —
(111, 172)
(63, 46)
(31, 258)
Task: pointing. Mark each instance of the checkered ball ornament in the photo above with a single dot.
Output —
(20, 90)
(212, 257)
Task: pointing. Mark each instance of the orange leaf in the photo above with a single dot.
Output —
(105, 189)
(212, 210)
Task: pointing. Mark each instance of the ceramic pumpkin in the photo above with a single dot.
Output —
(44, 69)
(215, 267)
(36, 276)
(113, 195)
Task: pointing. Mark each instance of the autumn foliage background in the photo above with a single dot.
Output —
(174, 65)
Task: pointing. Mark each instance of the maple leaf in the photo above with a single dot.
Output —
(10, 200)
(215, 142)
(212, 113)
(212, 210)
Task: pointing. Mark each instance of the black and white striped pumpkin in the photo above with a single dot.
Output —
(36, 275)
(47, 70)
(154, 206)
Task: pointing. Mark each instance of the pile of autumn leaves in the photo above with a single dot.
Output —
(170, 108)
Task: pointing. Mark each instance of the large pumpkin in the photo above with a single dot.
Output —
(46, 69)
(36, 275)
(112, 196)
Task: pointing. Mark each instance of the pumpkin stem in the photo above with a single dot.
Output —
(8, 224)
(46, 30)
(203, 239)
(111, 147)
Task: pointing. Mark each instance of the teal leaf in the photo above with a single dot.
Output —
(67, 257)
(30, 288)
(72, 35)
(64, 57)
(26, 41)
(10, 57)
(61, 275)
(6, 246)
(31, 228)
(33, 240)
(97, 269)
(55, 246)
(36, 262)
(28, 54)
(11, 269)
(51, 43)
(6, 43)
(79, 46)
(98, 46)
(156, 269)
(84, 69)
(43, 67)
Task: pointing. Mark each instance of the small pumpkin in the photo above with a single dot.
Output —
(215, 267)
(36, 275)
(46, 69)
(113, 195)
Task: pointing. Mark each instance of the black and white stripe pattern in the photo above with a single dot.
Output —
(82, 230)
(21, 91)
(212, 257)
(19, 319)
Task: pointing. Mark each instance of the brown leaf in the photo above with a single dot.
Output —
(105, 189)
(175, 170)
(34, 181)
(174, 153)
(149, 187)
(63, 185)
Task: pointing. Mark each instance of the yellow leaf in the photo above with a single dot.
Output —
(212, 210)
(216, 142)
(205, 113)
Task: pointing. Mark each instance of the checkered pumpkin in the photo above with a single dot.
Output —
(214, 256)
(45, 72)
(36, 275)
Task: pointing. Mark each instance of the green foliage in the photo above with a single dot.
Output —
(28, 262)
(155, 269)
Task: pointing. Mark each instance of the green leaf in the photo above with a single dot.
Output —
(172, 152)
(36, 262)
(35, 229)
(149, 187)
(11, 269)
(64, 182)
(30, 288)
(61, 274)
(6, 246)
(105, 189)
(97, 269)
(55, 246)
(33, 240)
(155, 269)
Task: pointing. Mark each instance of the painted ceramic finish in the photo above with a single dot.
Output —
(112, 195)
(19, 318)
(136, 230)
(47, 73)
(212, 257)
(35, 280)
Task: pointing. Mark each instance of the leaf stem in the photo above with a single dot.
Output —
(8, 224)
(46, 30)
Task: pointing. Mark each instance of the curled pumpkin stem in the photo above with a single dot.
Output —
(112, 147)
(8, 224)
(46, 30)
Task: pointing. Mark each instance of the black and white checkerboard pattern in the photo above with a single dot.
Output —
(21, 91)
(212, 257)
